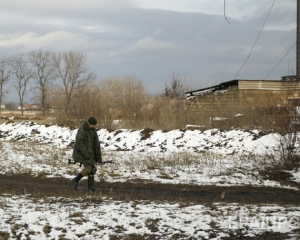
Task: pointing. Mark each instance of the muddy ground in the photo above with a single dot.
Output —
(189, 194)
(42, 187)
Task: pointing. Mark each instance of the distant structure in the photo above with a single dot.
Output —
(241, 102)
(31, 107)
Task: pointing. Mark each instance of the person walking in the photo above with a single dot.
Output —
(87, 152)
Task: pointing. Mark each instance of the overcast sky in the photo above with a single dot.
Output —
(150, 39)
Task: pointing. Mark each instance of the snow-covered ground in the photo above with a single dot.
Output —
(66, 219)
(211, 157)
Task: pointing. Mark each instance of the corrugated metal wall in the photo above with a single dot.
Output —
(268, 85)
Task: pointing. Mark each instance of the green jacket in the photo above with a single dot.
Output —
(87, 146)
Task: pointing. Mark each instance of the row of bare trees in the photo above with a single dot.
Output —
(46, 74)
(64, 82)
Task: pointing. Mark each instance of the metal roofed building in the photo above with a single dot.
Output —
(241, 102)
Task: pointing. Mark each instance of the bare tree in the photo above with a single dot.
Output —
(88, 102)
(174, 100)
(71, 68)
(4, 76)
(134, 97)
(43, 73)
(177, 88)
(123, 99)
(22, 74)
(10, 106)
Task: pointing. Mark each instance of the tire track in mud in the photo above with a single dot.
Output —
(186, 194)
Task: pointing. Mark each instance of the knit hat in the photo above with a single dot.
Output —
(92, 121)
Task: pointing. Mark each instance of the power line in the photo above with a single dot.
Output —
(225, 12)
(280, 61)
(256, 40)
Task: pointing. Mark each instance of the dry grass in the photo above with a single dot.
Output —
(56, 117)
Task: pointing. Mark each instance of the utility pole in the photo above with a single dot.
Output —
(298, 41)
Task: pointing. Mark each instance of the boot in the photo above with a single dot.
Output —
(76, 180)
(91, 183)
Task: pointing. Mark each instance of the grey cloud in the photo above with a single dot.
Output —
(150, 44)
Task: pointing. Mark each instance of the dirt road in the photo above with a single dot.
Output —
(60, 187)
